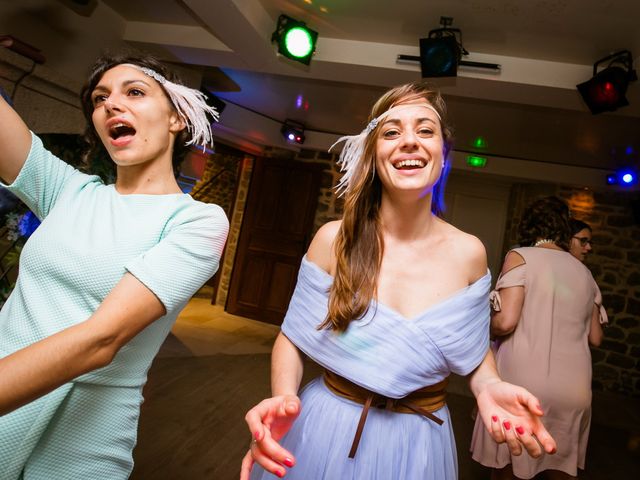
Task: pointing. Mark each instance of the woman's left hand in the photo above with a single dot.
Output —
(512, 414)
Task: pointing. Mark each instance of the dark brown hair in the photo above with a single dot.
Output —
(577, 225)
(359, 244)
(95, 149)
(545, 218)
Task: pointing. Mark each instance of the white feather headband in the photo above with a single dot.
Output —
(352, 153)
(190, 104)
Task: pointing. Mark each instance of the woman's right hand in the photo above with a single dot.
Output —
(268, 422)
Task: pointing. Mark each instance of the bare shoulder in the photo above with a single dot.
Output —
(468, 251)
(321, 250)
(512, 260)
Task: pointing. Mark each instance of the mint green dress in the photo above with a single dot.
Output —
(89, 238)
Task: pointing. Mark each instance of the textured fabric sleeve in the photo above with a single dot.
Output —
(41, 179)
(513, 278)
(185, 258)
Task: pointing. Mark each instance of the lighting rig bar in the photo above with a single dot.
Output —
(411, 59)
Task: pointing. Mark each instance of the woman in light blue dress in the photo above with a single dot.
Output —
(104, 276)
(390, 300)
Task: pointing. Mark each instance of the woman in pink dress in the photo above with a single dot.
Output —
(546, 312)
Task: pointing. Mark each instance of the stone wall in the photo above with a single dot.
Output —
(235, 225)
(615, 264)
(329, 205)
(225, 182)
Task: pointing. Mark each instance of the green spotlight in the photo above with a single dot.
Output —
(295, 40)
(480, 142)
(476, 162)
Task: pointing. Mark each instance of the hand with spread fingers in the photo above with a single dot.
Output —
(512, 414)
(269, 421)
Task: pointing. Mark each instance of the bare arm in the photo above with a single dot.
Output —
(45, 365)
(510, 413)
(512, 298)
(595, 331)
(286, 367)
(15, 142)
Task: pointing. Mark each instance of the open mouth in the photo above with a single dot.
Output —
(120, 130)
(409, 164)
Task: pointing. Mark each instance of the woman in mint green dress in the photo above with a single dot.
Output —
(105, 275)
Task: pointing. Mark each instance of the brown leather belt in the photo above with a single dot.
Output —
(423, 401)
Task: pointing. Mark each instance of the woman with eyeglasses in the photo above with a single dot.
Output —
(546, 311)
(581, 242)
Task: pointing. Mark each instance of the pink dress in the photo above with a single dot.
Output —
(548, 353)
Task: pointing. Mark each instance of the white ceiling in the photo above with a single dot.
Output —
(530, 110)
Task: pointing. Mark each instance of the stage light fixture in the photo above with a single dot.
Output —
(293, 132)
(442, 51)
(213, 100)
(605, 92)
(476, 161)
(295, 40)
(625, 177)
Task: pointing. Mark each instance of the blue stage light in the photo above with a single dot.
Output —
(624, 177)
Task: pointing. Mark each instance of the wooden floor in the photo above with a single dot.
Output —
(215, 366)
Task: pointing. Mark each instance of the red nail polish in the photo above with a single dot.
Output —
(507, 425)
(280, 473)
(288, 462)
(256, 435)
(494, 418)
(553, 451)
(520, 430)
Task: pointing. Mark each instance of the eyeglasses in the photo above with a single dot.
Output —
(584, 240)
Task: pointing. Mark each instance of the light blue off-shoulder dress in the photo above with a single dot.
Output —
(393, 356)
(89, 238)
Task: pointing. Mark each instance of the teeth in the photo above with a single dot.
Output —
(410, 163)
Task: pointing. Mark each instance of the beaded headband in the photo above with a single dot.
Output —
(190, 104)
(352, 153)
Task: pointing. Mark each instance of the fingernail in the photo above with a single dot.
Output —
(280, 473)
(520, 430)
(507, 425)
(256, 435)
(494, 418)
(288, 462)
(553, 450)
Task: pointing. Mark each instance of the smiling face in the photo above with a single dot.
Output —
(410, 149)
(133, 117)
(581, 244)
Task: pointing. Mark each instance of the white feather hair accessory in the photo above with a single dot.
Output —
(190, 104)
(352, 153)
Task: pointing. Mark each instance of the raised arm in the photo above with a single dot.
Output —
(45, 365)
(15, 142)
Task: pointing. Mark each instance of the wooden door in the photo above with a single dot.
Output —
(275, 235)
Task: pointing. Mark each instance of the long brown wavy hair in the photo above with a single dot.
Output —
(359, 244)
